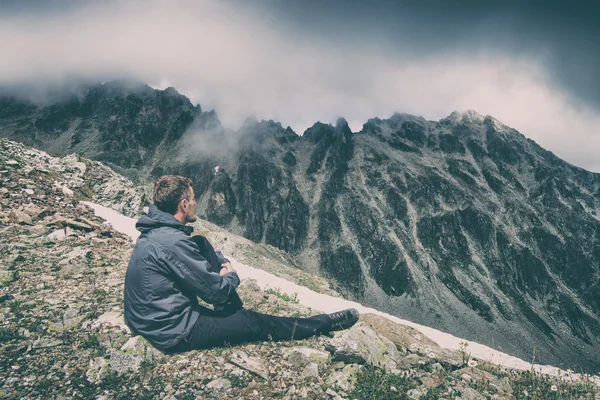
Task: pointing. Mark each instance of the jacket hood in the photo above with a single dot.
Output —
(158, 219)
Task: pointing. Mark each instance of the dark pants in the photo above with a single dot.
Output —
(217, 328)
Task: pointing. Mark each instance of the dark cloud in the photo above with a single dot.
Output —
(562, 35)
(46, 7)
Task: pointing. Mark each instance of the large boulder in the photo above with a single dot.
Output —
(19, 217)
(299, 357)
(252, 364)
(344, 378)
(362, 345)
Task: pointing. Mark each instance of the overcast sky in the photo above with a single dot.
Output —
(531, 64)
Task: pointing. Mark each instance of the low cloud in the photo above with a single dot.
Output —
(241, 64)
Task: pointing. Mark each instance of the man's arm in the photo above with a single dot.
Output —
(193, 272)
(215, 258)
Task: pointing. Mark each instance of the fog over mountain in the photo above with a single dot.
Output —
(531, 65)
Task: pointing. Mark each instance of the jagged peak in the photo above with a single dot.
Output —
(207, 120)
(318, 131)
(341, 123)
(125, 86)
(171, 91)
(469, 116)
(252, 122)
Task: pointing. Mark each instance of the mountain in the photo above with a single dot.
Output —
(63, 335)
(461, 224)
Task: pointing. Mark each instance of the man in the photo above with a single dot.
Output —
(167, 272)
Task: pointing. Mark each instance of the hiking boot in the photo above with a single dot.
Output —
(343, 319)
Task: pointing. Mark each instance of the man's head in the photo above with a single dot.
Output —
(175, 195)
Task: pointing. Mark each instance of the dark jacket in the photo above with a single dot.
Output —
(165, 275)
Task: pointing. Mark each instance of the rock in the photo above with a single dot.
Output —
(219, 384)
(310, 371)
(71, 318)
(33, 210)
(6, 277)
(121, 362)
(12, 163)
(140, 347)
(92, 224)
(251, 284)
(251, 364)
(301, 356)
(78, 225)
(111, 318)
(337, 365)
(361, 344)
(467, 393)
(413, 394)
(66, 191)
(437, 367)
(97, 370)
(45, 343)
(432, 381)
(345, 378)
(412, 361)
(58, 234)
(469, 374)
(19, 217)
(402, 336)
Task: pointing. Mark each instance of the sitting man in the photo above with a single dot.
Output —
(169, 270)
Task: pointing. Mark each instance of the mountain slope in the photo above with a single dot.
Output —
(63, 335)
(462, 224)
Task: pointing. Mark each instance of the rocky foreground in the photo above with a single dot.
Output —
(62, 334)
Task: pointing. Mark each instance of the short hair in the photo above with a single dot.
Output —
(169, 190)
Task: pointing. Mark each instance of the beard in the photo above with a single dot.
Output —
(191, 217)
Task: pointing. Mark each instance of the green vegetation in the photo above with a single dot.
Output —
(376, 384)
(239, 381)
(531, 384)
(90, 342)
(8, 333)
(282, 295)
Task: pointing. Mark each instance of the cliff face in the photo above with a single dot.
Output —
(463, 224)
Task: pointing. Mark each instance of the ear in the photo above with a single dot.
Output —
(182, 206)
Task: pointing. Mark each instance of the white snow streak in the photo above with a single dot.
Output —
(118, 221)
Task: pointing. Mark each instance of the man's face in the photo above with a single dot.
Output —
(190, 215)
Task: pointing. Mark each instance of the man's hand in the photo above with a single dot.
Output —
(226, 268)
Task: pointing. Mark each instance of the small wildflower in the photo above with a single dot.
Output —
(472, 363)
(413, 346)
(554, 388)
(427, 349)
(393, 388)
(525, 393)
(431, 355)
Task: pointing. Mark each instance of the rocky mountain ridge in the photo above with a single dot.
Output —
(62, 334)
(462, 224)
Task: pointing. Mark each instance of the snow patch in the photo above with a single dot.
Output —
(119, 222)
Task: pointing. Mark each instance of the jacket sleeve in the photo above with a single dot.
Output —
(221, 257)
(193, 272)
